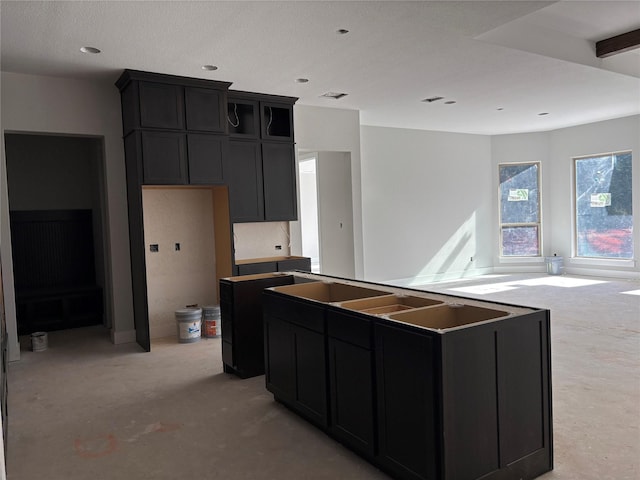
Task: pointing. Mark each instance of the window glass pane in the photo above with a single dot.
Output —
(604, 216)
(519, 202)
(520, 241)
(520, 209)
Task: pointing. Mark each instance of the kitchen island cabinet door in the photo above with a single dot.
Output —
(279, 359)
(407, 407)
(351, 395)
(295, 357)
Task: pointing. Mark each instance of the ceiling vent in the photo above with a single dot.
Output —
(432, 99)
(334, 95)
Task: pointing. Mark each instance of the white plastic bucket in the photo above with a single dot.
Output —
(189, 321)
(554, 265)
(39, 341)
(212, 326)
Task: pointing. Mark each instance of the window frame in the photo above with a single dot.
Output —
(537, 224)
(596, 260)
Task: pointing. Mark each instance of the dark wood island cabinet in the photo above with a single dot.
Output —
(423, 385)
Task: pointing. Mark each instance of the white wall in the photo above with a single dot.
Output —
(319, 129)
(61, 105)
(259, 240)
(555, 150)
(426, 205)
(335, 214)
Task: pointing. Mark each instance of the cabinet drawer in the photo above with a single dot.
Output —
(349, 328)
(253, 268)
(303, 264)
(300, 313)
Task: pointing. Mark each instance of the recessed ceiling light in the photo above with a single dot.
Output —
(209, 68)
(431, 99)
(90, 50)
(543, 113)
(302, 80)
(342, 31)
(449, 102)
(334, 95)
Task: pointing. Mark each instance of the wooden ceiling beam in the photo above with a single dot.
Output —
(618, 44)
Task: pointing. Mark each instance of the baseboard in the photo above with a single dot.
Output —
(438, 277)
(128, 336)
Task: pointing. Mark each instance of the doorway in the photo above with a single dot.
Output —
(326, 212)
(57, 214)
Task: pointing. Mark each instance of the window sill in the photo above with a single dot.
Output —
(521, 259)
(603, 262)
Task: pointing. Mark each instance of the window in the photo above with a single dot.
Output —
(603, 212)
(520, 229)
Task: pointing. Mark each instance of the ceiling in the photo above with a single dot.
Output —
(502, 62)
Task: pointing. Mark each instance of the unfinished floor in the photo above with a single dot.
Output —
(85, 409)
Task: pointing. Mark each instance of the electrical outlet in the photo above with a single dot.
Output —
(153, 247)
(278, 247)
(177, 247)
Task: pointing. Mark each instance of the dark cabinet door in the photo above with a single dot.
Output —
(310, 374)
(161, 106)
(205, 109)
(278, 166)
(244, 165)
(164, 158)
(351, 392)
(279, 359)
(206, 155)
(407, 410)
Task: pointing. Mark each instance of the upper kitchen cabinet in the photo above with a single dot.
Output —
(205, 109)
(260, 116)
(243, 118)
(169, 102)
(279, 182)
(277, 120)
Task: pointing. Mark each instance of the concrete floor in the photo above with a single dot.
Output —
(86, 409)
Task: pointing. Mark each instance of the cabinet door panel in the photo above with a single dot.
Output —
(521, 381)
(206, 154)
(164, 158)
(244, 165)
(470, 421)
(351, 391)
(161, 106)
(278, 166)
(310, 374)
(204, 109)
(407, 409)
(279, 359)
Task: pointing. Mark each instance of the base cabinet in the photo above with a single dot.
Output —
(447, 391)
(242, 323)
(295, 358)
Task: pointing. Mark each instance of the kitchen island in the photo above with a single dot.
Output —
(421, 384)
